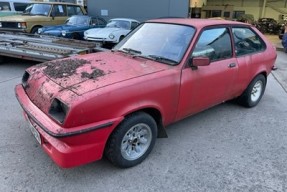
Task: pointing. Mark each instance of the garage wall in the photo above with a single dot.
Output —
(138, 9)
(238, 3)
(254, 7)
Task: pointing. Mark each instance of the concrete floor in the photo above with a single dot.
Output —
(276, 41)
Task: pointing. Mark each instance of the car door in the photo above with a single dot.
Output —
(58, 14)
(206, 86)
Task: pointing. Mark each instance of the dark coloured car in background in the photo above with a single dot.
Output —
(267, 25)
(74, 27)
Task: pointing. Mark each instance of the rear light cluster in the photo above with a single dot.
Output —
(58, 110)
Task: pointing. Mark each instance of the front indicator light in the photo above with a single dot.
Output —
(40, 30)
(64, 33)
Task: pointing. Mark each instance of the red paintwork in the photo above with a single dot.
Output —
(131, 84)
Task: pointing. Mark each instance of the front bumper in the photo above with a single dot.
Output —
(101, 40)
(52, 34)
(68, 147)
(14, 30)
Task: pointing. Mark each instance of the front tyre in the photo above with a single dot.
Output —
(35, 30)
(132, 141)
(254, 92)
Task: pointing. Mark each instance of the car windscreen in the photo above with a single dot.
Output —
(166, 43)
(119, 24)
(37, 9)
(5, 6)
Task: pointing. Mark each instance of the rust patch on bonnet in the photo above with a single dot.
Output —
(96, 73)
(63, 68)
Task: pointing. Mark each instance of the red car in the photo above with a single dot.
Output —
(117, 103)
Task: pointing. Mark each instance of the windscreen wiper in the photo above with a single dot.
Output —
(132, 51)
(162, 59)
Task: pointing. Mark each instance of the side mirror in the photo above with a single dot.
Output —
(200, 61)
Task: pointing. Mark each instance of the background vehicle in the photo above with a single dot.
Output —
(114, 32)
(13, 7)
(267, 25)
(37, 15)
(246, 18)
(74, 27)
(281, 29)
(116, 103)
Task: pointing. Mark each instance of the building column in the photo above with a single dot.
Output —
(263, 8)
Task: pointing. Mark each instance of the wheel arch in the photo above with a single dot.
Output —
(245, 98)
(264, 73)
(156, 115)
(35, 26)
(158, 118)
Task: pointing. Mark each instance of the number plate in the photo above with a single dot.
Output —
(35, 132)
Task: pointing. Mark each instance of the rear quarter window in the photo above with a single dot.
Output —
(5, 6)
(20, 6)
(246, 41)
(59, 10)
(74, 10)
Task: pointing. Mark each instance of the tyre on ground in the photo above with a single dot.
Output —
(132, 141)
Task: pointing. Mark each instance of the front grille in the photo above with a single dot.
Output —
(96, 38)
(9, 25)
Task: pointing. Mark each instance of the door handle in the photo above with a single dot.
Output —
(231, 65)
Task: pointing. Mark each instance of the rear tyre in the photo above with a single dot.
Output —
(132, 141)
(254, 92)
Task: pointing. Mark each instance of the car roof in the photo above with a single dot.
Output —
(124, 19)
(198, 23)
(54, 3)
(81, 16)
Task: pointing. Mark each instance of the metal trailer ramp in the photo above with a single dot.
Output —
(41, 47)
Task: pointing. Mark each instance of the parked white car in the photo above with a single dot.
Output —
(114, 32)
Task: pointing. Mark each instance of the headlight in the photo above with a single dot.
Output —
(0, 24)
(22, 25)
(64, 33)
(58, 110)
(111, 36)
(40, 30)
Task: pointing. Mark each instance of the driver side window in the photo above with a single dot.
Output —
(214, 43)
